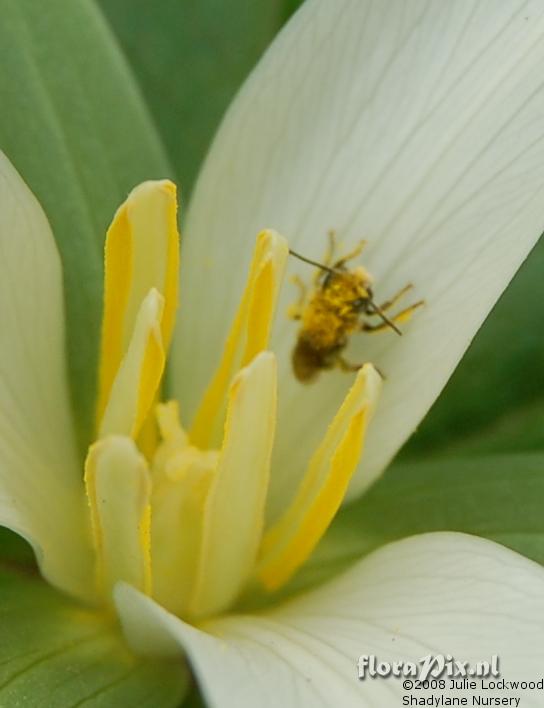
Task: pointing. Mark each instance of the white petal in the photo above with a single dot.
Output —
(41, 482)
(433, 594)
(416, 125)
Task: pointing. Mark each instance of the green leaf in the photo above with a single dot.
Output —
(190, 58)
(75, 127)
(499, 498)
(519, 430)
(15, 550)
(57, 654)
(194, 699)
(501, 372)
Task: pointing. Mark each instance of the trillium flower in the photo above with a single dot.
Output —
(418, 126)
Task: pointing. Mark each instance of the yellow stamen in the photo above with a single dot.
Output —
(141, 253)
(118, 489)
(289, 542)
(169, 424)
(138, 378)
(234, 510)
(249, 333)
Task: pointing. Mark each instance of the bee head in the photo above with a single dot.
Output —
(360, 304)
(361, 282)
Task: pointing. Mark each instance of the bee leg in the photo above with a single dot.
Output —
(402, 316)
(351, 255)
(344, 365)
(328, 257)
(388, 304)
(296, 309)
(331, 247)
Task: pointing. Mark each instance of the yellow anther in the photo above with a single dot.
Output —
(138, 378)
(141, 253)
(289, 542)
(234, 509)
(249, 333)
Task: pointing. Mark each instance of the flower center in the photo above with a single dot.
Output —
(180, 514)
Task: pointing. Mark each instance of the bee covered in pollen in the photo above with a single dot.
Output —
(340, 304)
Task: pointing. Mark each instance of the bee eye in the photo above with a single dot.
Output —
(359, 304)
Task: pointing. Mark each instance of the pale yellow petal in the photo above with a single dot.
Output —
(234, 510)
(138, 378)
(118, 490)
(41, 491)
(142, 252)
(289, 542)
(249, 332)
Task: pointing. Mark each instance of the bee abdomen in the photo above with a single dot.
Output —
(307, 361)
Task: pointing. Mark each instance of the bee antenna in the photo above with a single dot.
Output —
(314, 263)
(384, 317)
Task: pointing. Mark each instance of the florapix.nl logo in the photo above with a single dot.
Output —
(430, 666)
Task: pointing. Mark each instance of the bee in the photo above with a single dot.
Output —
(339, 305)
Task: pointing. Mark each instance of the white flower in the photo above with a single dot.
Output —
(416, 125)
